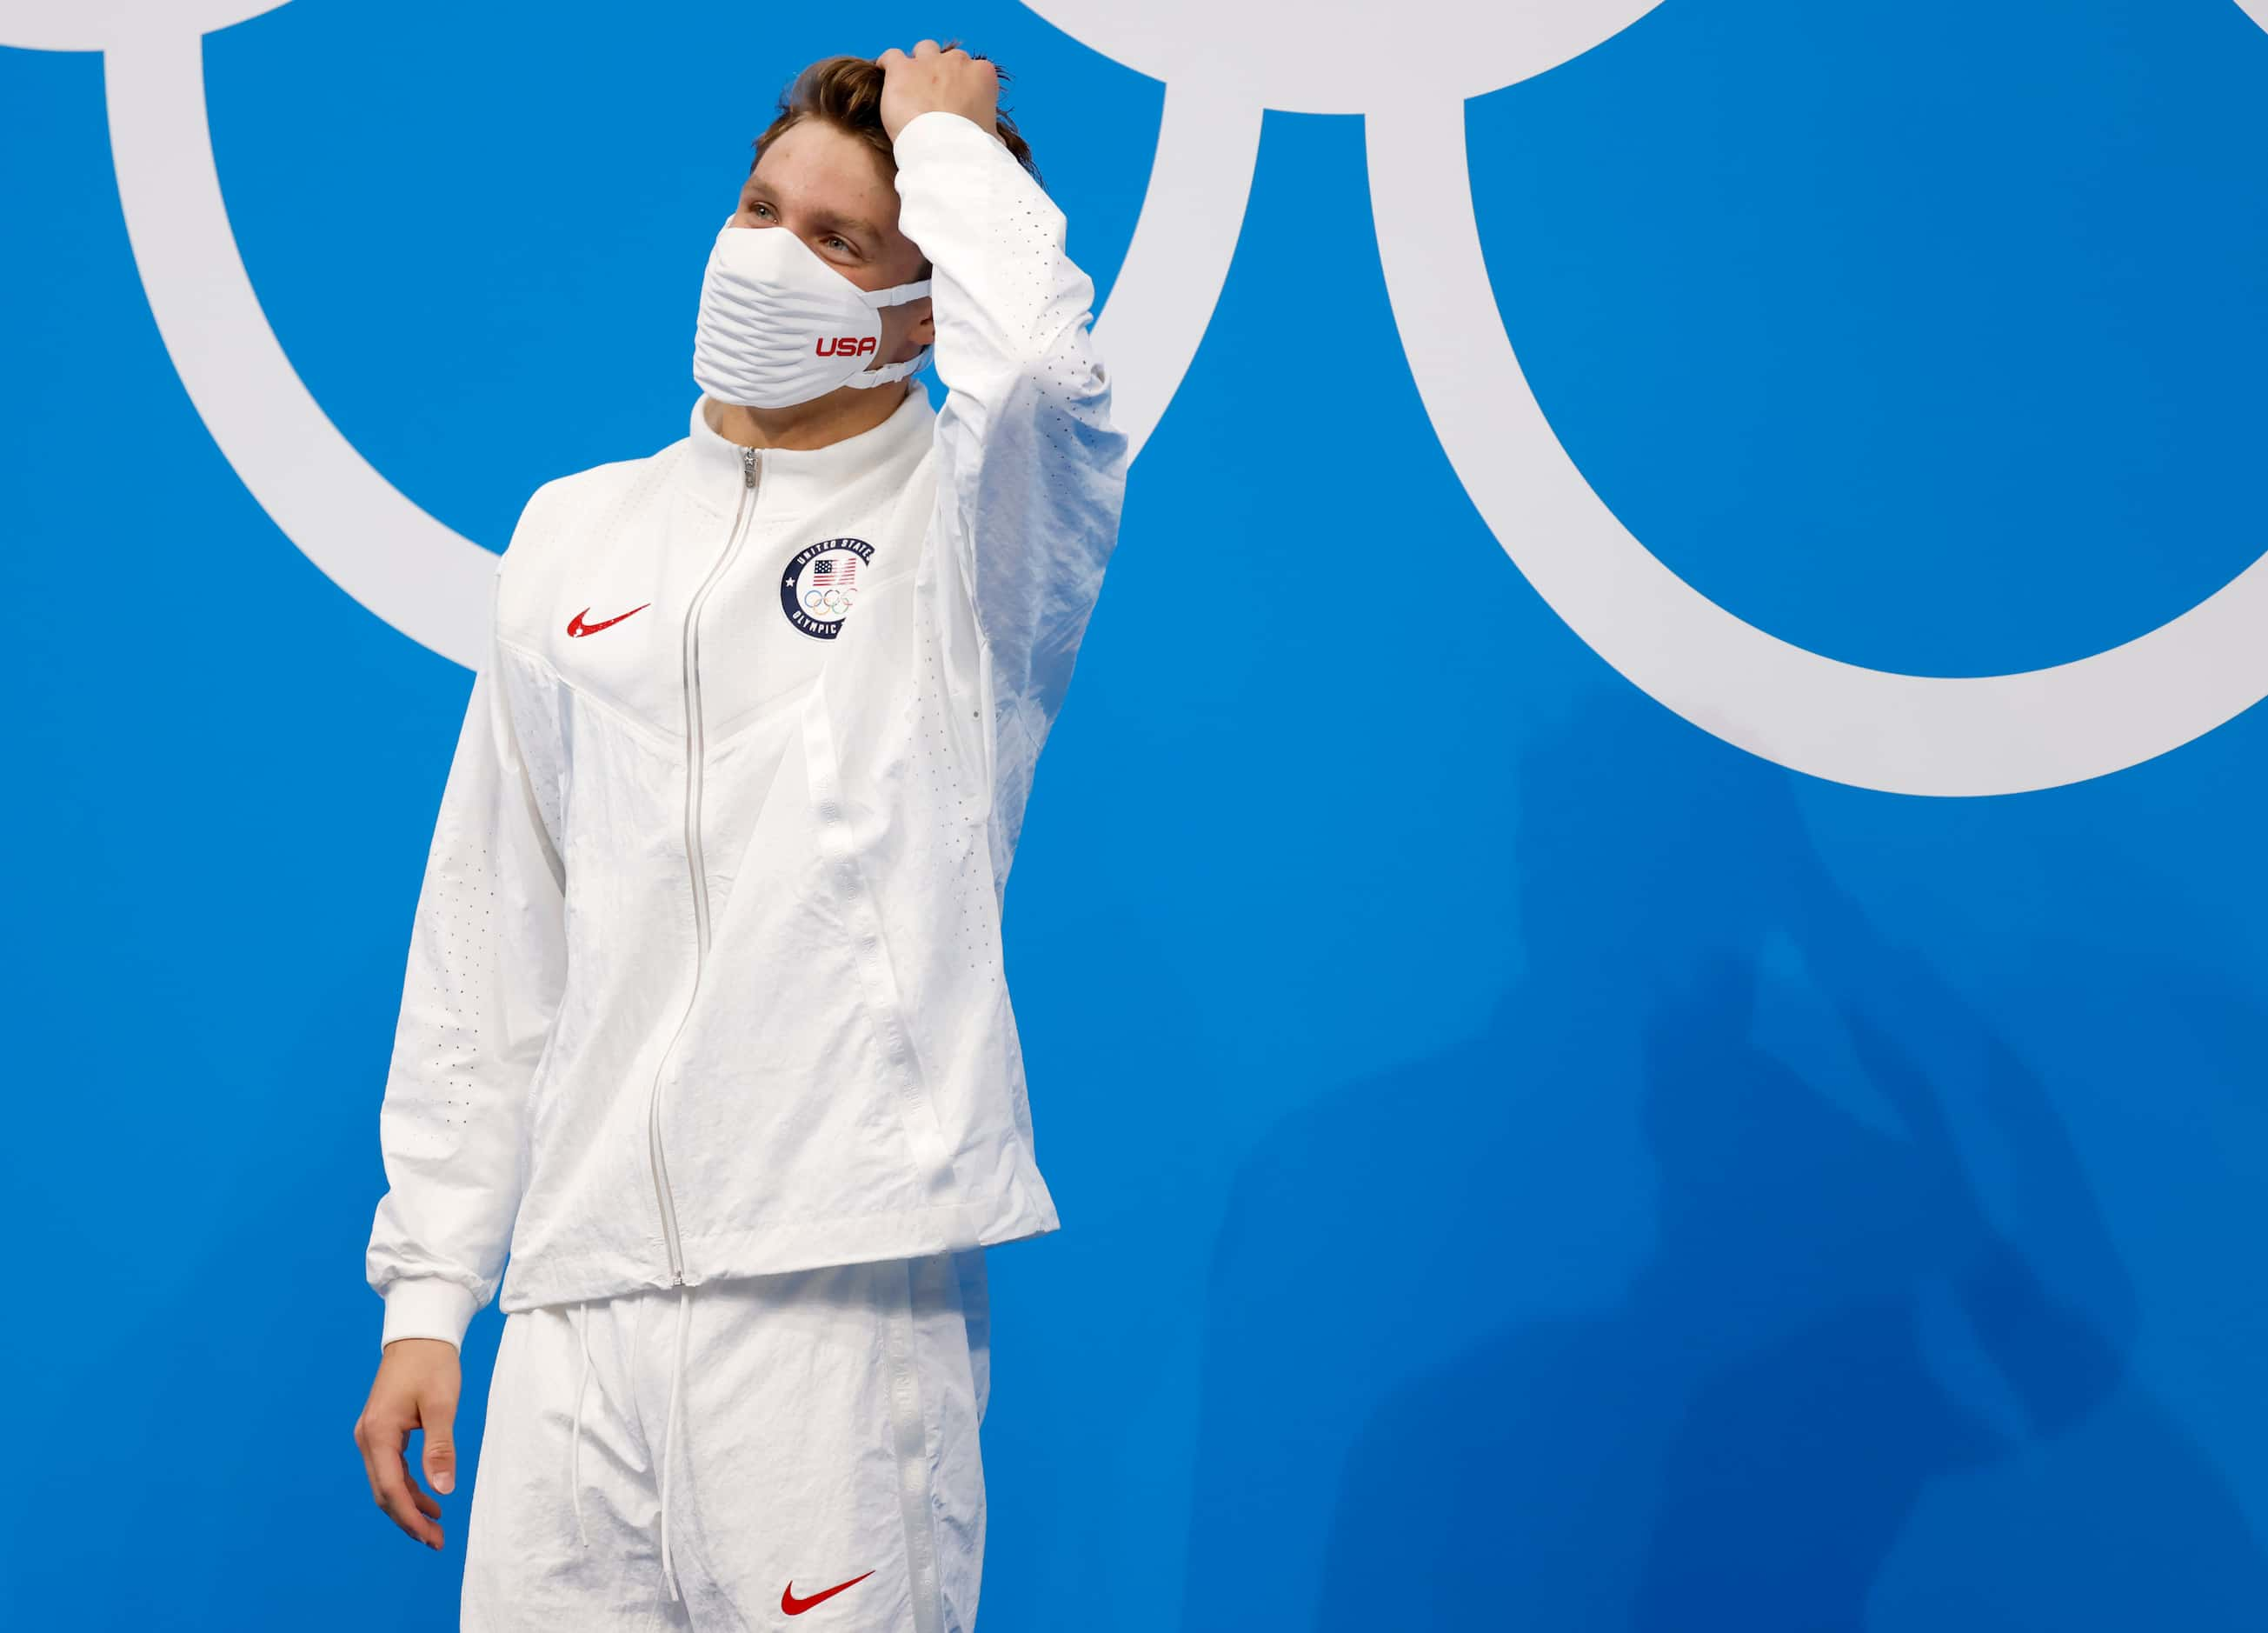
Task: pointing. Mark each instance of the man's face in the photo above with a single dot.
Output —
(834, 191)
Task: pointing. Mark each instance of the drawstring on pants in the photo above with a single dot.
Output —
(669, 1438)
(575, 1455)
(669, 1442)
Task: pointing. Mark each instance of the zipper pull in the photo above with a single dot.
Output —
(748, 468)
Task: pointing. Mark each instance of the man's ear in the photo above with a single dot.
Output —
(925, 329)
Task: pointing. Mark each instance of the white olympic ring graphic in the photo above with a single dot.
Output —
(1222, 63)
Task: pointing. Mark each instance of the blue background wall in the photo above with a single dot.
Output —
(1524, 1162)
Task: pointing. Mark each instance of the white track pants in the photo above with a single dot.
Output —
(825, 1434)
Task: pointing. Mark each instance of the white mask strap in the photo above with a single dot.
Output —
(895, 295)
(889, 372)
(898, 295)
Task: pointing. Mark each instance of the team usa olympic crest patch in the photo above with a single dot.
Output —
(821, 582)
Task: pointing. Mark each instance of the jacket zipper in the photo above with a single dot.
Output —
(694, 748)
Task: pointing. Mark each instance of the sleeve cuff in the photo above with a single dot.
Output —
(428, 1307)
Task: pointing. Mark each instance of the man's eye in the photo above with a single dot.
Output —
(834, 239)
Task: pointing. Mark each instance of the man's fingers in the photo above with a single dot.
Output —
(406, 1505)
(923, 51)
(390, 1484)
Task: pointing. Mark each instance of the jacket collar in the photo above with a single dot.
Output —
(795, 477)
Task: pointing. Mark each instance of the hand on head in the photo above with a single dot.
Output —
(934, 78)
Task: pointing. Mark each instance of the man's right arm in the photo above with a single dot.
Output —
(482, 986)
(486, 965)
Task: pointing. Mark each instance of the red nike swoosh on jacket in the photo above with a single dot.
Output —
(795, 1606)
(576, 626)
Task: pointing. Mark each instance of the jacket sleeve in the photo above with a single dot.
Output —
(486, 966)
(1032, 472)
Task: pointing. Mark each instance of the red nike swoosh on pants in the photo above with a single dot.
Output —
(795, 1606)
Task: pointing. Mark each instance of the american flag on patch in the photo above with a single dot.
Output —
(841, 575)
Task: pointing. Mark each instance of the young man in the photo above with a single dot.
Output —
(704, 1017)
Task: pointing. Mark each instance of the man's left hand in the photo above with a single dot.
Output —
(934, 78)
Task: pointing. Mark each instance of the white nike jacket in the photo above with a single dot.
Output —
(705, 975)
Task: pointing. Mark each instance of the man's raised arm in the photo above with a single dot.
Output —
(1032, 471)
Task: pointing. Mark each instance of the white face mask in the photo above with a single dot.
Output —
(778, 326)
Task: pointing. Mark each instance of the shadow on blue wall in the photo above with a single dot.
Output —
(1823, 1323)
